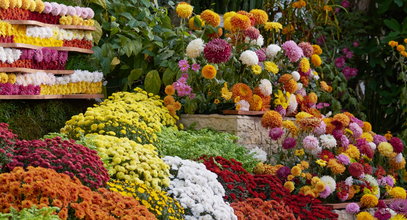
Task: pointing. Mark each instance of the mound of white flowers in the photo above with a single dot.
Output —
(198, 190)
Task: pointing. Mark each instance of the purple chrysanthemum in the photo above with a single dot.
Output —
(356, 129)
(399, 206)
(340, 62)
(352, 208)
(310, 142)
(183, 65)
(276, 133)
(283, 172)
(382, 214)
(377, 139)
(289, 143)
(306, 48)
(344, 141)
(261, 53)
(217, 51)
(195, 67)
(281, 110)
(320, 129)
(292, 51)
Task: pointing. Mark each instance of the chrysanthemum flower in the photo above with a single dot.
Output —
(169, 90)
(270, 26)
(242, 90)
(184, 10)
(271, 119)
(240, 22)
(256, 103)
(292, 51)
(217, 51)
(260, 16)
(252, 32)
(304, 65)
(210, 17)
(191, 23)
(369, 201)
(256, 69)
(306, 48)
(209, 71)
(249, 15)
(288, 82)
(317, 49)
(316, 60)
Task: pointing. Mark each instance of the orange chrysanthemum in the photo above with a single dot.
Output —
(216, 34)
(312, 98)
(317, 49)
(290, 85)
(249, 15)
(271, 119)
(240, 22)
(260, 16)
(304, 81)
(209, 71)
(210, 17)
(169, 90)
(243, 91)
(336, 168)
(325, 87)
(169, 100)
(256, 103)
(341, 120)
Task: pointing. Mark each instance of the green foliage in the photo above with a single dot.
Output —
(222, 6)
(192, 144)
(138, 45)
(32, 213)
(35, 118)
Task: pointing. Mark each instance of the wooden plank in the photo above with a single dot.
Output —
(40, 24)
(27, 70)
(236, 112)
(33, 47)
(43, 97)
(343, 205)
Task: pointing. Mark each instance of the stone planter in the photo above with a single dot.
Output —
(247, 128)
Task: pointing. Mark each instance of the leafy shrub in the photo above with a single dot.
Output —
(192, 144)
(32, 213)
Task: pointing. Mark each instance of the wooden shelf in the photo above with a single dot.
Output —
(40, 24)
(26, 70)
(43, 97)
(236, 112)
(33, 47)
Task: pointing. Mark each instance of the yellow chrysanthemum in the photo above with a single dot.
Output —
(12, 78)
(184, 10)
(296, 171)
(320, 162)
(191, 22)
(209, 71)
(256, 103)
(302, 115)
(369, 201)
(320, 187)
(240, 22)
(304, 65)
(364, 216)
(3, 78)
(398, 217)
(317, 49)
(316, 60)
(397, 193)
(385, 149)
(289, 185)
(256, 69)
(367, 127)
(336, 168)
(367, 136)
(353, 152)
(273, 26)
(271, 67)
(226, 94)
(229, 15)
(260, 16)
(299, 152)
(210, 17)
(291, 127)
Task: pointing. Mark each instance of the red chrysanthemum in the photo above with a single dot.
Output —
(356, 169)
(217, 51)
(326, 155)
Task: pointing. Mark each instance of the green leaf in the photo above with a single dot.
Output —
(134, 75)
(168, 76)
(97, 34)
(99, 2)
(152, 82)
(399, 2)
(392, 24)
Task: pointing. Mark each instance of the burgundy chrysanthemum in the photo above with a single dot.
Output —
(306, 48)
(397, 144)
(217, 51)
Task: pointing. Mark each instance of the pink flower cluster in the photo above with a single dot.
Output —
(292, 51)
(62, 10)
(340, 63)
(13, 89)
(181, 85)
(64, 156)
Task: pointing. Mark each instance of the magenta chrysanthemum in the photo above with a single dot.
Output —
(306, 48)
(217, 51)
(292, 51)
(261, 54)
(252, 32)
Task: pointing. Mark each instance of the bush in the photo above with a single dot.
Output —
(32, 213)
(192, 144)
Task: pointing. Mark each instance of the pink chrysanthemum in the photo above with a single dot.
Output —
(292, 51)
(310, 142)
(306, 48)
(252, 32)
(217, 51)
(261, 54)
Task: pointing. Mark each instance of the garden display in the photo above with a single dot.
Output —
(129, 156)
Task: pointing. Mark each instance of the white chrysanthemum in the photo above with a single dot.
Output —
(317, 150)
(292, 104)
(272, 50)
(299, 86)
(372, 146)
(195, 48)
(249, 58)
(296, 75)
(329, 181)
(242, 105)
(349, 181)
(265, 87)
(260, 41)
(399, 158)
(328, 141)
(259, 154)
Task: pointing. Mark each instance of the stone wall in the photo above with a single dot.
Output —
(247, 128)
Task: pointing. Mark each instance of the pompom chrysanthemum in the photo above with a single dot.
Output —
(252, 32)
(195, 48)
(306, 48)
(271, 119)
(260, 16)
(240, 22)
(184, 10)
(292, 51)
(218, 51)
(242, 90)
(265, 87)
(210, 17)
(328, 141)
(249, 58)
(272, 50)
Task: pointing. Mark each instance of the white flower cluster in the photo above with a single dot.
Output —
(195, 48)
(259, 41)
(272, 50)
(265, 87)
(42, 78)
(259, 154)
(249, 58)
(8, 55)
(328, 141)
(198, 190)
(62, 10)
(57, 33)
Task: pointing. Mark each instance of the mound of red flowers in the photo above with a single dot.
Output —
(241, 185)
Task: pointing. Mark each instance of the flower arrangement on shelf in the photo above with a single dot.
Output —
(41, 187)
(231, 66)
(157, 202)
(335, 158)
(45, 36)
(138, 116)
(46, 12)
(198, 190)
(44, 59)
(130, 161)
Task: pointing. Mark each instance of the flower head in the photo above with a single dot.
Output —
(209, 71)
(260, 16)
(218, 51)
(195, 48)
(272, 50)
(210, 17)
(306, 48)
(289, 143)
(352, 208)
(292, 51)
(249, 58)
(240, 22)
(184, 10)
(271, 119)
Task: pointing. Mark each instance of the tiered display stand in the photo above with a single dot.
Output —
(56, 72)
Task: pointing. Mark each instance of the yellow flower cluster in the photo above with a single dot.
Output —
(157, 202)
(32, 5)
(397, 193)
(369, 201)
(262, 168)
(385, 149)
(271, 67)
(400, 48)
(19, 33)
(317, 186)
(130, 161)
(138, 116)
(7, 78)
(72, 88)
(76, 20)
(273, 26)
